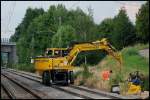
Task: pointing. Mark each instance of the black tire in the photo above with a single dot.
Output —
(71, 77)
(66, 79)
(46, 77)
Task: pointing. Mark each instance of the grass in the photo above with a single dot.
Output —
(91, 76)
(132, 62)
(141, 46)
(24, 67)
(82, 75)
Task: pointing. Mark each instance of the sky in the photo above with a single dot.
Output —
(12, 12)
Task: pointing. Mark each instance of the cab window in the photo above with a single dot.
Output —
(49, 53)
(57, 53)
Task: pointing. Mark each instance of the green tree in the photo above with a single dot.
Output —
(22, 37)
(64, 36)
(22, 50)
(40, 35)
(142, 22)
(123, 31)
(106, 29)
(22, 27)
(83, 24)
(40, 30)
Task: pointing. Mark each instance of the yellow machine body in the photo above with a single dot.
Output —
(42, 64)
(60, 59)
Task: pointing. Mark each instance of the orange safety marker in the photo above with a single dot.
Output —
(106, 75)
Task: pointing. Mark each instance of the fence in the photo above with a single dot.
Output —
(5, 40)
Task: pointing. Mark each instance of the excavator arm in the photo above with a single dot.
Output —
(55, 68)
(97, 45)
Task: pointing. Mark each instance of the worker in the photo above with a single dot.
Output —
(106, 74)
(135, 78)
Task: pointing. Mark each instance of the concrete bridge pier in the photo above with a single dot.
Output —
(10, 49)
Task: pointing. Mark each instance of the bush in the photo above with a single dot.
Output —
(141, 46)
(82, 76)
(24, 67)
(130, 51)
(146, 83)
(77, 74)
(116, 79)
(86, 74)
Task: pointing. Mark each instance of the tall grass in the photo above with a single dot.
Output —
(83, 75)
(132, 62)
(24, 67)
(141, 46)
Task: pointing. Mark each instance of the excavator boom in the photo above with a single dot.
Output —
(56, 65)
(97, 45)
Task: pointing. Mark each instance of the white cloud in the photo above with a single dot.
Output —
(132, 11)
(102, 9)
(131, 7)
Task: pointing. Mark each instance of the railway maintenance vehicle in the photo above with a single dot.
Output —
(56, 65)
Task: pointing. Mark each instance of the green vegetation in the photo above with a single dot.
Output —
(58, 27)
(142, 23)
(60, 39)
(141, 46)
(123, 31)
(26, 67)
(23, 67)
(132, 62)
(83, 75)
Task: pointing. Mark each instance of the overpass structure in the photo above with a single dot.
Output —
(8, 48)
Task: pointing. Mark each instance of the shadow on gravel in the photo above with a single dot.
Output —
(60, 84)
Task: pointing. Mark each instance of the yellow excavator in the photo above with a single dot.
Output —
(56, 65)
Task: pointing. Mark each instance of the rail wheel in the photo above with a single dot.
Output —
(71, 77)
(46, 78)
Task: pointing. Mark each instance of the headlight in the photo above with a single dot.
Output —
(32, 61)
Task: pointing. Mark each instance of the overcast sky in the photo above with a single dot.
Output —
(12, 12)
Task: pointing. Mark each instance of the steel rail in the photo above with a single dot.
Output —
(30, 77)
(7, 91)
(26, 88)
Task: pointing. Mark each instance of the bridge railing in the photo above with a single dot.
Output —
(6, 41)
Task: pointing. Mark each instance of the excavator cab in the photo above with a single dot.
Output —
(57, 52)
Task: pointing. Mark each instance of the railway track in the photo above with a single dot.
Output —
(17, 90)
(78, 91)
(75, 92)
(4, 93)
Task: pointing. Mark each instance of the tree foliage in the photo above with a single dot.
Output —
(58, 26)
(22, 27)
(142, 22)
(64, 36)
(123, 31)
(105, 28)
